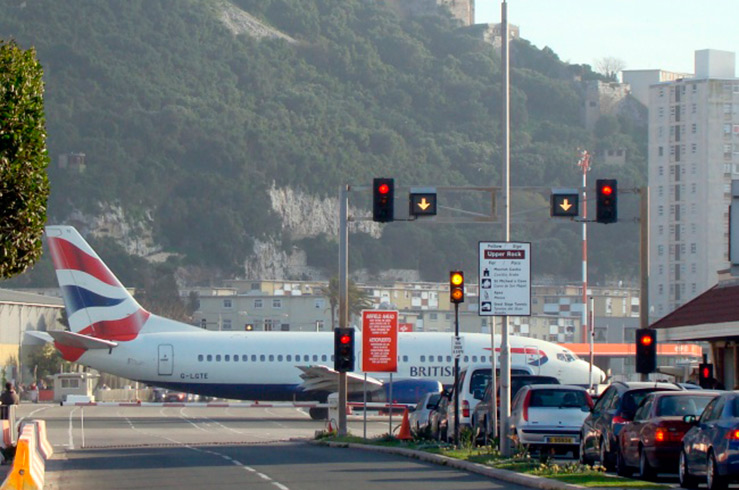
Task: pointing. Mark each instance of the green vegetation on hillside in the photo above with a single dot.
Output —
(179, 117)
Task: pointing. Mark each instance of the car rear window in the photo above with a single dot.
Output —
(558, 398)
(433, 401)
(480, 379)
(633, 398)
(682, 405)
(518, 383)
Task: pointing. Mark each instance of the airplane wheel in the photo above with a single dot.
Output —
(317, 413)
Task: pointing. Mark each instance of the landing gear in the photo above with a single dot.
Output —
(318, 413)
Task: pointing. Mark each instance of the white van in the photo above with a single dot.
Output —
(473, 380)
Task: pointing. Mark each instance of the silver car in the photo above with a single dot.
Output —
(419, 416)
(549, 417)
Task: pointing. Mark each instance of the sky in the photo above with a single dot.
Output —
(644, 34)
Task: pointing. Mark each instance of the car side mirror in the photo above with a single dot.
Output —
(690, 419)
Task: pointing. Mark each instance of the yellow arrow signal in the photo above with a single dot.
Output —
(424, 204)
(565, 204)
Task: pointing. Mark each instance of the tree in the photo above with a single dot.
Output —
(358, 299)
(24, 185)
(45, 360)
(610, 67)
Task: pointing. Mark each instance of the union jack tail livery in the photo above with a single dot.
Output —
(97, 303)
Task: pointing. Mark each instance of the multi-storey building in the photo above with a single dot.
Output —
(693, 156)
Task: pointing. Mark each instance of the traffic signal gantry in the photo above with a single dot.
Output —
(646, 350)
(344, 350)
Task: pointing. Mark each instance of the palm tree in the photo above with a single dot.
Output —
(358, 299)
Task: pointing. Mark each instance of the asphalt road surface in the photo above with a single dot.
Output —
(222, 448)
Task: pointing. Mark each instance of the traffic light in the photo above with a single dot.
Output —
(606, 204)
(456, 287)
(646, 350)
(344, 350)
(383, 200)
(705, 375)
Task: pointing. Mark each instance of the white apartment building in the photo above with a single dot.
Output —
(693, 156)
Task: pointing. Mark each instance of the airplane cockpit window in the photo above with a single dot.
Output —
(566, 356)
(560, 356)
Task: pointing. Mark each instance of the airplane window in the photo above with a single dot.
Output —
(253, 358)
(474, 358)
(466, 358)
(324, 358)
(244, 358)
(200, 357)
(262, 358)
(440, 358)
(218, 358)
(289, 358)
(279, 358)
(271, 358)
(315, 358)
(560, 356)
(405, 358)
(236, 358)
(332, 357)
(423, 358)
(448, 358)
(210, 357)
(226, 358)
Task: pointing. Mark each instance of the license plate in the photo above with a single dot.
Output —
(561, 440)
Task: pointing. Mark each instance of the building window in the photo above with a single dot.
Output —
(277, 303)
(693, 128)
(660, 250)
(226, 324)
(433, 316)
(660, 151)
(258, 303)
(319, 303)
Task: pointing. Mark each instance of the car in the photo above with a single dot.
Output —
(652, 441)
(473, 380)
(419, 416)
(548, 417)
(174, 396)
(710, 449)
(615, 407)
(437, 418)
(481, 425)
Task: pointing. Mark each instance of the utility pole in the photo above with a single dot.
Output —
(644, 261)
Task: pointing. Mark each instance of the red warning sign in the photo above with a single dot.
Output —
(379, 341)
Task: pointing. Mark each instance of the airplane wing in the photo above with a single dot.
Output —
(73, 339)
(323, 378)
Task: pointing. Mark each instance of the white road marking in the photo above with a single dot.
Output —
(71, 436)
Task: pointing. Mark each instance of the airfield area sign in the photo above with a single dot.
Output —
(505, 279)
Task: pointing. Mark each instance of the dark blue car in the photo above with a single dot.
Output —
(711, 448)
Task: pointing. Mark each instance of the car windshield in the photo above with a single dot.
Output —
(682, 405)
(558, 398)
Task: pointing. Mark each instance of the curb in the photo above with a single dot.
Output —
(522, 479)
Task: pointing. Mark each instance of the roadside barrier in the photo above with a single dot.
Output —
(42, 443)
(7, 440)
(29, 465)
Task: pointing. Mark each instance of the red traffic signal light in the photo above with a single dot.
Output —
(606, 201)
(456, 286)
(705, 375)
(345, 339)
(344, 350)
(383, 200)
(646, 350)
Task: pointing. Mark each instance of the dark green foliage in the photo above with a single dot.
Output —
(24, 186)
(178, 115)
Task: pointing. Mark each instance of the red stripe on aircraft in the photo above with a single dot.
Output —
(65, 255)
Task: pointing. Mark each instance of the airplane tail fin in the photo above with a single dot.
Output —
(97, 303)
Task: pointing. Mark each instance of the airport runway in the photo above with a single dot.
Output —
(221, 448)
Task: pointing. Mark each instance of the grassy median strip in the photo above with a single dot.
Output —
(521, 462)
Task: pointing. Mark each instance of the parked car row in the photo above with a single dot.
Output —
(635, 427)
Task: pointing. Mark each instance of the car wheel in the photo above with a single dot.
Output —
(583, 458)
(604, 456)
(713, 479)
(621, 468)
(686, 479)
(646, 471)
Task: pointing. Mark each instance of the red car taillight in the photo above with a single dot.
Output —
(465, 408)
(662, 434)
(526, 402)
(619, 420)
(589, 399)
(732, 435)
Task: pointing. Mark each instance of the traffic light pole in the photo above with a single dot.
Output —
(644, 261)
(343, 295)
(456, 377)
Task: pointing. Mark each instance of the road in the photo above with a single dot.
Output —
(222, 448)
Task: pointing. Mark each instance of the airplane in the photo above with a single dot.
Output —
(110, 332)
